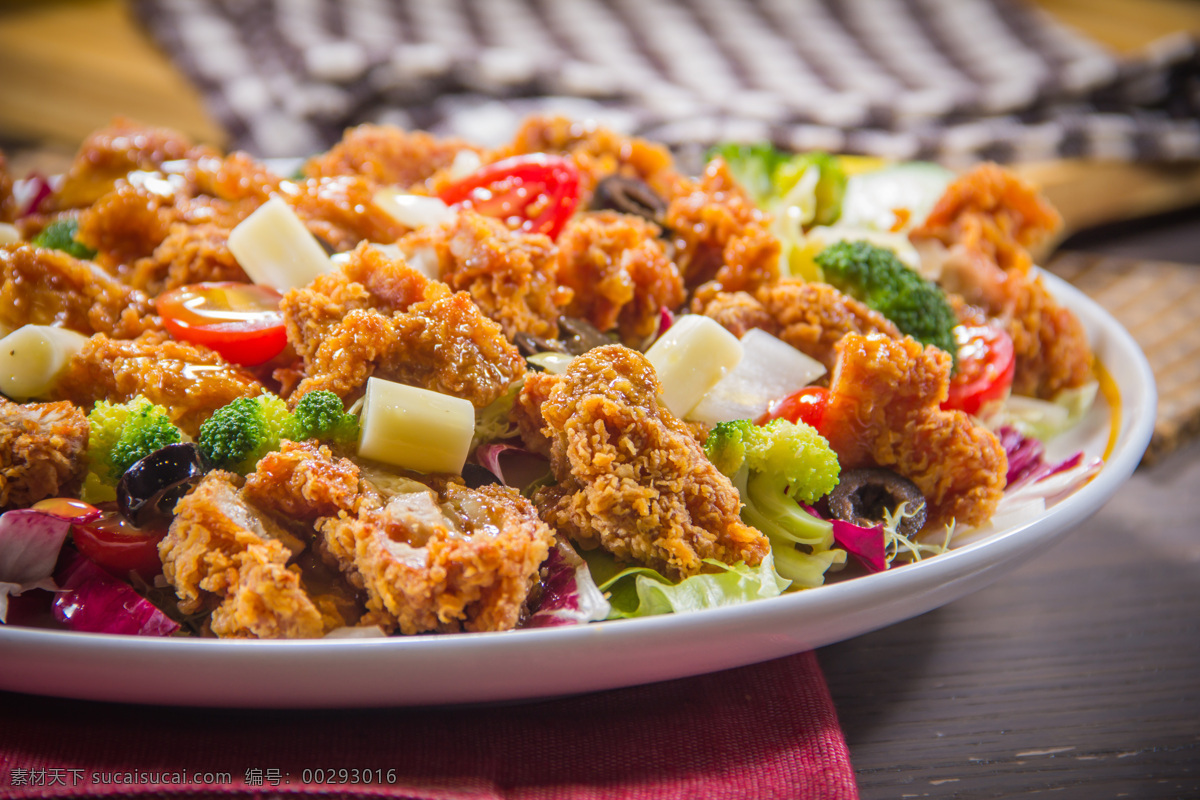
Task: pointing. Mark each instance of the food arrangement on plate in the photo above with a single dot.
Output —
(421, 386)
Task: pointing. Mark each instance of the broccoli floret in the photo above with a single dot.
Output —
(878, 278)
(775, 467)
(752, 165)
(322, 415)
(121, 434)
(236, 436)
(60, 235)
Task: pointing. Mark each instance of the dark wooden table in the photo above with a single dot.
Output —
(1076, 676)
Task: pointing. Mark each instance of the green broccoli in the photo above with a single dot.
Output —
(236, 436)
(321, 415)
(878, 278)
(60, 235)
(121, 434)
(776, 180)
(775, 468)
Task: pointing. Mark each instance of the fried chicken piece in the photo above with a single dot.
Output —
(511, 276)
(620, 273)
(596, 151)
(190, 381)
(379, 317)
(125, 224)
(342, 211)
(109, 154)
(223, 553)
(303, 481)
(50, 287)
(189, 254)
(719, 234)
(737, 312)
(884, 411)
(462, 559)
(387, 156)
(43, 448)
(980, 231)
(631, 477)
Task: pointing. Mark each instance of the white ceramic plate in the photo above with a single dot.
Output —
(483, 667)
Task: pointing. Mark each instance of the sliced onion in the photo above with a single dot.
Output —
(92, 601)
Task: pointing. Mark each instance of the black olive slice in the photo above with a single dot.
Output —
(579, 335)
(862, 495)
(530, 345)
(476, 476)
(148, 490)
(630, 196)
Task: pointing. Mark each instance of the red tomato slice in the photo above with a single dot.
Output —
(115, 544)
(806, 405)
(532, 193)
(985, 369)
(241, 321)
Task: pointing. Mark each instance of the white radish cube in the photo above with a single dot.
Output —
(769, 370)
(275, 249)
(690, 358)
(415, 428)
(33, 356)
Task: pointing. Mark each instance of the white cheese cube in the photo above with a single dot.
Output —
(33, 356)
(275, 249)
(690, 358)
(415, 428)
(770, 369)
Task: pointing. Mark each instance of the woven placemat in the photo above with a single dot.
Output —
(1158, 302)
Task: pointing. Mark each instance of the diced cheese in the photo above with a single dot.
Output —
(415, 428)
(33, 356)
(769, 370)
(690, 358)
(413, 210)
(275, 249)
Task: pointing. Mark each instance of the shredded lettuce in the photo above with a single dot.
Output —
(1045, 419)
(643, 592)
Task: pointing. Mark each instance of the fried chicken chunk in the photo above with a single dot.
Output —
(223, 553)
(379, 317)
(50, 287)
(720, 234)
(811, 317)
(511, 276)
(460, 559)
(631, 477)
(620, 273)
(387, 156)
(980, 232)
(303, 481)
(884, 410)
(42, 451)
(190, 381)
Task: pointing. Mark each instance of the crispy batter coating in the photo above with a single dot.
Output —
(387, 156)
(303, 481)
(811, 317)
(342, 211)
(223, 553)
(597, 152)
(125, 224)
(511, 276)
(884, 411)
(190, 381)
(379, 317)
(189, 254)
(108, 154)
(631, 477)
(42, 451)
(464, 560)
(720, 234)
(620, 273)
(985, 223)
(50, 287)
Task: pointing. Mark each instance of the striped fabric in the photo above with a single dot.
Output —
(951, 80)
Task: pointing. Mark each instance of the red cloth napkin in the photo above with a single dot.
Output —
(763, 731)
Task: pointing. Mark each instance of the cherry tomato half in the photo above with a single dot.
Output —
(115, 544)
(806, 405)
(985, 369)
(241, 321)
(533, 193)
